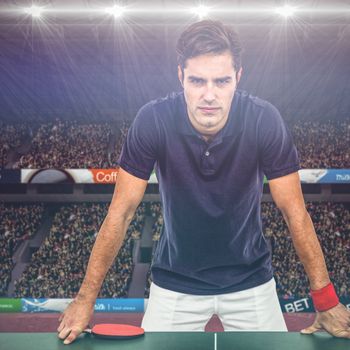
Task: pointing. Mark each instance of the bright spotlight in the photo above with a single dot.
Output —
(116, 11)
(286, 11)
(201, 11)
(34, 11)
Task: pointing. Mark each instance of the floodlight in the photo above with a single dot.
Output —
(286, 11)
(34, 11)
(116, 11)
(201, 11)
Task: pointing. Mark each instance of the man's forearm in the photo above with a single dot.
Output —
(308, 249)
(105, 249)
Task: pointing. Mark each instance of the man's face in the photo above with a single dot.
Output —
(209, 83)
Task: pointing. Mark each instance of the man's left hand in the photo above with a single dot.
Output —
(336, 321)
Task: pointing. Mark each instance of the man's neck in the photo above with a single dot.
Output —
(208, 139)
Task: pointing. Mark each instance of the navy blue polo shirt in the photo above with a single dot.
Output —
(212, 240)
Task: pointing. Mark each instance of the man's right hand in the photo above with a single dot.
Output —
(74, 320)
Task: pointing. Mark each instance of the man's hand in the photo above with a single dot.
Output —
(74, 320)
(335, 321)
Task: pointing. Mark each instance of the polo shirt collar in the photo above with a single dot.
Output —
(233, 125)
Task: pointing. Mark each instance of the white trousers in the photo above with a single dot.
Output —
(253, 309)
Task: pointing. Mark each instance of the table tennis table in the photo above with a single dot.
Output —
(180, 341)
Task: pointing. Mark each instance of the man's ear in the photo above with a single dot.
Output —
(180, 75)
(239, 74)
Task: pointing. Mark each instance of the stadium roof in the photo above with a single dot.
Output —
(90, 11)
(94, 64)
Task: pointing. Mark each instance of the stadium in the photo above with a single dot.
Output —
(75, 74)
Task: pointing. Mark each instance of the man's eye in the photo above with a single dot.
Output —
(222, 82)
(196, 81)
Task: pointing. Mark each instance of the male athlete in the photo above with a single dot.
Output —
(211, 146)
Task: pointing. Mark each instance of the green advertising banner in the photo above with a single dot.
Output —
(10, 305)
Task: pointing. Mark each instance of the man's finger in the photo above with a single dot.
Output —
(64, 332)
(60, 318)
(60, 327)
(312, 329)
(341, 333)
(73, 335)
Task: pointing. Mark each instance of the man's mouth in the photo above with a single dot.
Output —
(209, 109)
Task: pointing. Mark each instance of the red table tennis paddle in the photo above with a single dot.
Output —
(115, 331)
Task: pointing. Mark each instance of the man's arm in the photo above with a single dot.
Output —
(287, 194)
(128, 193)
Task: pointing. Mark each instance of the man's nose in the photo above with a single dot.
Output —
(209, 94)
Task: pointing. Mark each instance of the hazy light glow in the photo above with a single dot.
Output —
(34, 11)
(201, 11)
(286, 11)
(116, 11)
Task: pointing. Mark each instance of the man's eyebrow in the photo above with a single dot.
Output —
(194, 77)
(223, 78)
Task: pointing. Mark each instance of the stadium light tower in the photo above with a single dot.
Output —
(116, 11)
(286, 11)
(201, 11)
(34, 11)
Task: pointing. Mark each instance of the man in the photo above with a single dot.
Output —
(211, 146)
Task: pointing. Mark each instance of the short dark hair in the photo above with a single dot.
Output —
(207, 37)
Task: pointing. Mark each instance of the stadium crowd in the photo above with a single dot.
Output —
(332, 225)
(323, 145)
(57, 269)
(113, 156)
(17, 223)
(63, 144)
(156, 212)
(68, 144)
(11, 136)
